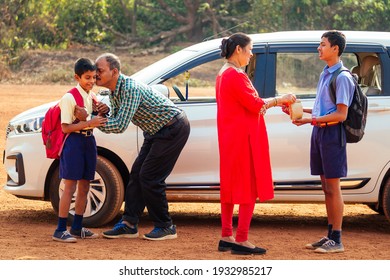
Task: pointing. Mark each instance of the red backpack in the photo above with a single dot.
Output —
(52, 135)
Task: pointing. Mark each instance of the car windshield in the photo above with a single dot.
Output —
(152, 72)
(165, 63)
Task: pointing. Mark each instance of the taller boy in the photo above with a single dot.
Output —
(328, 155)
(78, 157)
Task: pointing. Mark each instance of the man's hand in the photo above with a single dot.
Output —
(101, 108)
(80, 113)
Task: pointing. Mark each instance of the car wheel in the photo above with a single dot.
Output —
(105, 196)
(375, 208)
(386, 200)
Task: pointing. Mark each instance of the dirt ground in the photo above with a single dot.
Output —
(283, 229)
(27, 227)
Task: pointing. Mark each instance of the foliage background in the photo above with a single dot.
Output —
(160, 25)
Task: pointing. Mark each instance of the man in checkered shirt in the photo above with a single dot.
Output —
(166, 130)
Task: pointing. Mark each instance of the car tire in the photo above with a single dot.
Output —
(105, 196)
(386, 200)
(376, 208)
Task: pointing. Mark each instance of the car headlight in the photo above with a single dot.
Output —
(30, 125)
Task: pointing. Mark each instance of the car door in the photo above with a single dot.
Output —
(278, 71)
(194, 80)
(198, 165)
(296, 68)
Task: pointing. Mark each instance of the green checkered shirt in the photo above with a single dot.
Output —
(136, 102)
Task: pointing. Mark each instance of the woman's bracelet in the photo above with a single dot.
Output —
(264, 108)
(267, 105)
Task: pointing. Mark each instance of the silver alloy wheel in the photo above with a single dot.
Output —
(96, 197)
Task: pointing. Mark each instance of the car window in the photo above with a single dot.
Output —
(299, 72)
(369, 73)
(196, 84)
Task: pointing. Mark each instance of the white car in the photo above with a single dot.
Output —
(282, 62)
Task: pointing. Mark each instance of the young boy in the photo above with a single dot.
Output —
(328, 155)
(79, 155)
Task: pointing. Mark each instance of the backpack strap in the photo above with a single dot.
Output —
(80, 102)
(79, 99)
(332, 88)
(77, 96)
(332, 82)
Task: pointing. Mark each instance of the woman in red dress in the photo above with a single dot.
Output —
(245, 167)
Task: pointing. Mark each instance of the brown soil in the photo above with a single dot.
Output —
(283, 229)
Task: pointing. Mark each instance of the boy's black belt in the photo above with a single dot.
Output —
(175, 119)
(85, 132)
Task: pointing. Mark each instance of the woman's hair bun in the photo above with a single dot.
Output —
(223, 47)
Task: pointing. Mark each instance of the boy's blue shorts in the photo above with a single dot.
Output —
(328, 154)
(78, 157)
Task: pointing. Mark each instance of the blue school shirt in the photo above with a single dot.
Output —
(323, 104)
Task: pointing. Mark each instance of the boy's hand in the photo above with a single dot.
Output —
(80, 113)
(286, 109)
(302, 121)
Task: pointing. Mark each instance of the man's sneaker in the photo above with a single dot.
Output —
(162, 233)
(83, 233)
(121, 230)
(330, 247)
(317, 244)
(63, 236)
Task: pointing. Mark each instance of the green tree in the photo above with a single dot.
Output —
(25, 25)
(161, 22)
(79, 20)
(268, 16)
(29, 24)
(363, 15)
